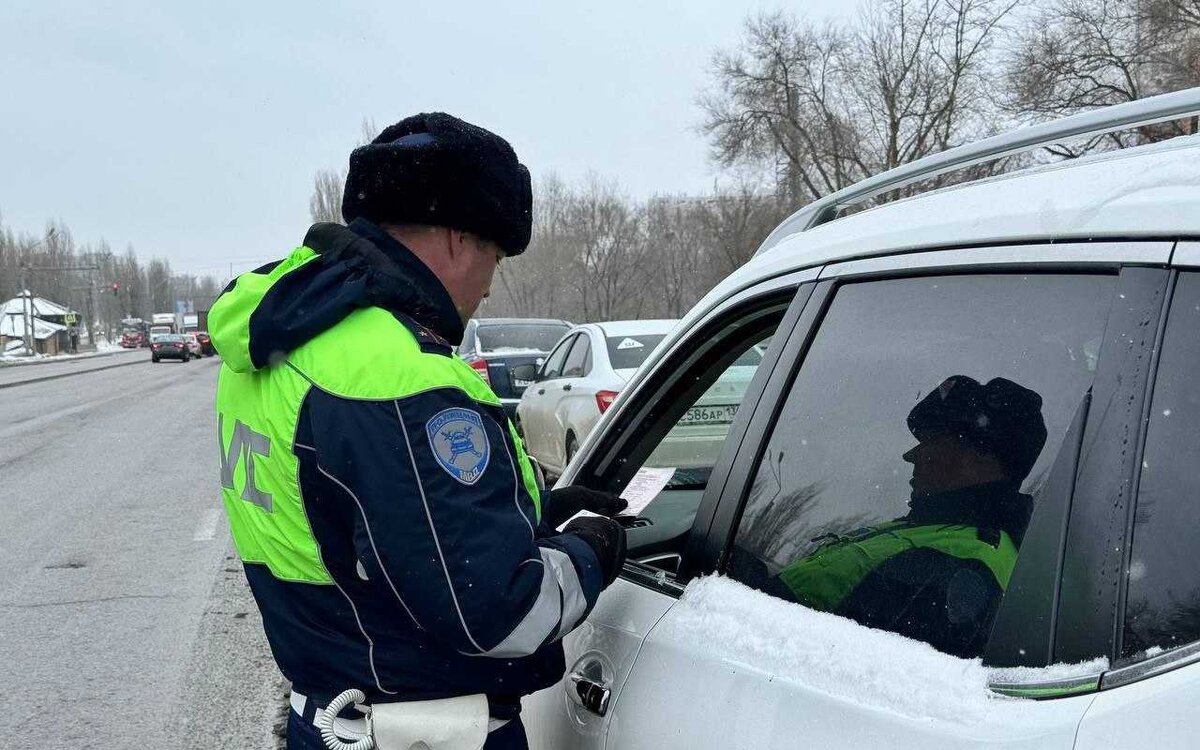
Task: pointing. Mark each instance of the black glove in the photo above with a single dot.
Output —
(558, 506)
(606, 537)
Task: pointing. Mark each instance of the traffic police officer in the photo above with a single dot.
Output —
(383, 505)
(938, 573)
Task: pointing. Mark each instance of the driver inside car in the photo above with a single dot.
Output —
(937, 573)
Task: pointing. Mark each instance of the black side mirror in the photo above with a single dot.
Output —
(525, 372)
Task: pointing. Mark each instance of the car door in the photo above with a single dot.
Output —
(736, 663)
(575, 403)
(537, 420)
(1147, 699)
(601, 652)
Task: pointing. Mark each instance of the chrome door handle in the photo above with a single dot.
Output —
(587, 688)
(588, 693)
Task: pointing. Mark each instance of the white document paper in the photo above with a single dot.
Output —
(642, 489)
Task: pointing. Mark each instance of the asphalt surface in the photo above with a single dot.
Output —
(124, 616)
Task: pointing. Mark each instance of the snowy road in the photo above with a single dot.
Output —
(123, 618)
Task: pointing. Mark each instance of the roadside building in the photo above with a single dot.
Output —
(52, 325)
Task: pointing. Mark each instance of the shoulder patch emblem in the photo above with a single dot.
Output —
(460, 443)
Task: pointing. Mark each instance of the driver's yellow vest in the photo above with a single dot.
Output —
(825, 578)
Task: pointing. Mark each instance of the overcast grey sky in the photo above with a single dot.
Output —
(193, 130)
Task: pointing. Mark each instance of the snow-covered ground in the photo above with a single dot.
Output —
(16, 355)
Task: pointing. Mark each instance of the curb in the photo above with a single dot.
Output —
(30, 381)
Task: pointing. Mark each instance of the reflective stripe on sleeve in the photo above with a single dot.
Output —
(559, 607)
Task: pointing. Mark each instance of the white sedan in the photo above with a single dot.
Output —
(579, 380)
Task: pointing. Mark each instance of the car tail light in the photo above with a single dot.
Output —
(604, 399)
(480, 366)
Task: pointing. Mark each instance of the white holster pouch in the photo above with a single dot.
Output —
(447, 724)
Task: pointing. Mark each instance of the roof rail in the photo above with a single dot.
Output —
(1097, 122)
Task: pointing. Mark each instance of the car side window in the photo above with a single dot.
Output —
(579, 361)
(554, 363)
(910, 449)
(681, 424)
(1162, 607)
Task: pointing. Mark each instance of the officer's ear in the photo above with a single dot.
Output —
(456, 243)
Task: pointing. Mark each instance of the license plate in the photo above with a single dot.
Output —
(718, 414)
(522, 383)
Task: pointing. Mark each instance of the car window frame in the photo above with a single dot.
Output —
(595, 462)
(1184, 258)
(581, 339)
(709, 550)
(1185, 262)
(566, 343)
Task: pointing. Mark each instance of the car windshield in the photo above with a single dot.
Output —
(628, 352)
(501, 337)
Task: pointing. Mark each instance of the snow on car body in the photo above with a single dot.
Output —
(1080, 280)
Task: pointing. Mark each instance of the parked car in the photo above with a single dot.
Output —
(132, 339)
(170, 346)
(577, 383)
(492, 346)
(206, 346)
(1074, 288)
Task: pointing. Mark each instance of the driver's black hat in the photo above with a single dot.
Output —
(1000, 418)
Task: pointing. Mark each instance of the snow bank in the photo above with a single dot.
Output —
(17, 356)
(839, 657)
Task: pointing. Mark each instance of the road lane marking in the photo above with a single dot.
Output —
(208, 526)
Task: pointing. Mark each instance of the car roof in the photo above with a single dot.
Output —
(635, 327)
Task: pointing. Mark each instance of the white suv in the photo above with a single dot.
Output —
(997, 378)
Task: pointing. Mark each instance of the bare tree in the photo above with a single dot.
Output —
(119, 288)
(1076, 55)
(736, 220)
(326, 201)
(676, 242)
(325, 204)
(776, 102)
(603, 232)
(828, 106)
(536, 283)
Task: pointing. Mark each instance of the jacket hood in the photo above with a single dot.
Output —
(264, 315)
